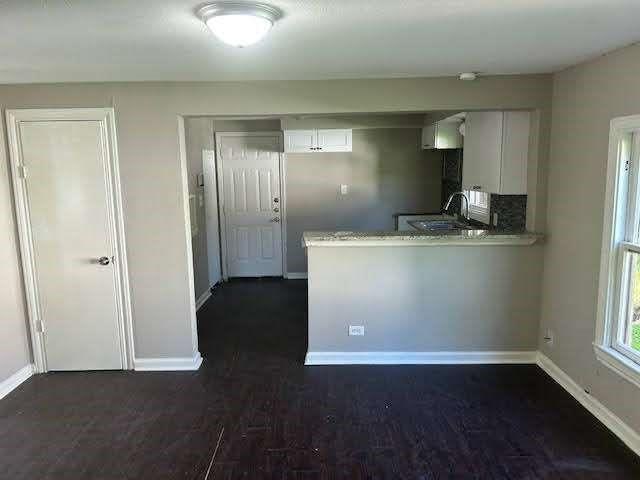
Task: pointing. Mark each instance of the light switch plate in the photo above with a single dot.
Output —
(344, 189)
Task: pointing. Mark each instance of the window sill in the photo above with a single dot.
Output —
(620, 364)
(480, 215)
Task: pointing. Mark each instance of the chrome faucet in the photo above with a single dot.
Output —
(450, 199)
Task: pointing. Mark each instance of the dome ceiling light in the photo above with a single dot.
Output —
(468, 76)
(237, 23)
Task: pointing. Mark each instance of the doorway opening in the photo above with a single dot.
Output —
(236, 200)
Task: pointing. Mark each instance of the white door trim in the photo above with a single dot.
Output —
(184, 174)
(220, 179)
(106, 117)
(212, 216)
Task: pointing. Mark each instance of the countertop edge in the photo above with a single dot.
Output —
(524, 239)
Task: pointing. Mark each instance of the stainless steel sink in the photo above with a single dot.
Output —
(439, 225)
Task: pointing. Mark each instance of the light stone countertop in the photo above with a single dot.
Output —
(419, 238)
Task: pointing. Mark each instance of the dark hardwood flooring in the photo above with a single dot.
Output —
(273, 418)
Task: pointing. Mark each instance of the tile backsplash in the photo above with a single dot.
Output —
(452, 177)
(511, 210)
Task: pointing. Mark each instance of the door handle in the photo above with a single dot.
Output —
(104, 261)
(275, 220)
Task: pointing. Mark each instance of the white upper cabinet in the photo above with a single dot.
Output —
(334, 140)
(318, 141)
(443, 134)
(496, 151)
(298, 141)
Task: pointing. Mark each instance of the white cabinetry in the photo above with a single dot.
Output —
(318, 141)
(443, 134)
(297, 141)
(496, 151)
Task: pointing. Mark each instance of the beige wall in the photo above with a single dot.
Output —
(387, 173)
(424, 299)
(585, 99)
(146, 117)
(253, 125)
(369, 120)
(14, 336)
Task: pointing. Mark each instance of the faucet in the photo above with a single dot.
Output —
(450, 199)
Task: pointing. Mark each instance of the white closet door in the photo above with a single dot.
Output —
(73, 242)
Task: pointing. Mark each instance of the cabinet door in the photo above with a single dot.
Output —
(482, 151)
(334, 140)
(448, 135)
(429, 137)
(299, 141)
(515, 153)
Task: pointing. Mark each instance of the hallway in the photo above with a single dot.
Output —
(282, 420)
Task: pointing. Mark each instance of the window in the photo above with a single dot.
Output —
(618, 330)
(478, 205)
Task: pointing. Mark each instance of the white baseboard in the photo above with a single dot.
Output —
(167, 364)
(14, 381)
(625, 433)
(296, 275)
(202, 299)
(417, 358)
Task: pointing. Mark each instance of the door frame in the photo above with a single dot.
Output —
(106, 117)
(218, 136)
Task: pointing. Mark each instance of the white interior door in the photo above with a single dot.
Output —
(252, 203)
(70, 216)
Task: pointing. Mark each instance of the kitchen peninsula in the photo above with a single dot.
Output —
(465, 296)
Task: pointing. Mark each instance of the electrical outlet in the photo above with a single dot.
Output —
(548, 337)
(356, 330)
(495, 219)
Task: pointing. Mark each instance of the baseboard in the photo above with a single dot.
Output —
(296, 275)
(14, 381)
(167, 364)
(625, 433)
(202, 299)
(417, 358)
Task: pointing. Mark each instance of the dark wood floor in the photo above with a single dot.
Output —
(273, 418)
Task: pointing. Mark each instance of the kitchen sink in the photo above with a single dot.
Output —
(439, 225)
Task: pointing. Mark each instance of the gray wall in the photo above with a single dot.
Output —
(198, 136)
(253, 125)
(387, 173)
(585, 99)
(409, 298)
(147, 125)
(369, 120)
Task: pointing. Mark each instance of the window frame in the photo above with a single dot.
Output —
(479, 213)
(621, 239)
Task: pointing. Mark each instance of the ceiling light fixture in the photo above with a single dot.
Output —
(468, 76)
(237, 23)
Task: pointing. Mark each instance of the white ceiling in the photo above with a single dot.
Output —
(110, 40)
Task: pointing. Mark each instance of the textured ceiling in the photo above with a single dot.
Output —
(108, 40)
